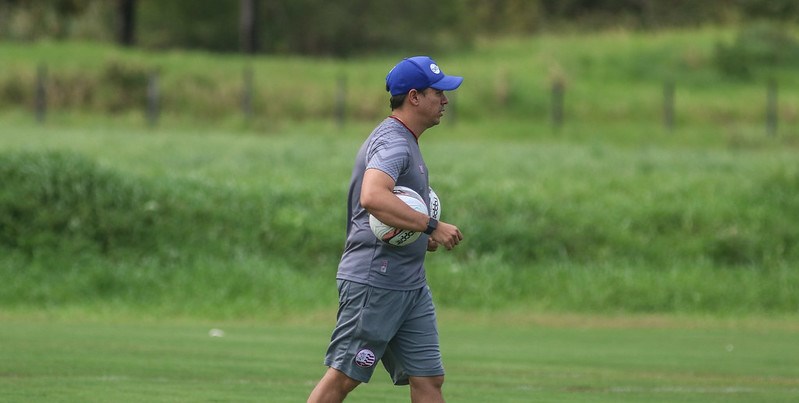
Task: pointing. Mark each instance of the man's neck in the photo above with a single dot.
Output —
(408, 121)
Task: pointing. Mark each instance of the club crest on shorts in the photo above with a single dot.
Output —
(365, 358)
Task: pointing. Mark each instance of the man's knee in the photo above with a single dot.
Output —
(427, 383)
(342, 382)
(333, 387)
(427, 389)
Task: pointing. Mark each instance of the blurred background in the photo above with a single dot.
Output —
(357, 27)
(191, 157)
(219, 60)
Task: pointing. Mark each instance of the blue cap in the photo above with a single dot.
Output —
(419, 72)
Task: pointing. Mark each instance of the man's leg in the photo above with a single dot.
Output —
(426, 389)
(333, 387)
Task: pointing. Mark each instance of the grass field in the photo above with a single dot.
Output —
(496, 358)
(673, 252)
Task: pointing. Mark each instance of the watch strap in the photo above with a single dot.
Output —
(432, 224)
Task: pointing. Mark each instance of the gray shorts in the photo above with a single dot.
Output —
(395, 327)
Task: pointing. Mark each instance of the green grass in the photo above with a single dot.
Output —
(502, 358)
(220, 223)
(121, 246)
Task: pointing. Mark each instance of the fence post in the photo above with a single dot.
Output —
(341, 100)
(153, 99)
(246, 101)
(558, 90)
(248, 26)
(771, 107)
(40, 102)
(668, 105)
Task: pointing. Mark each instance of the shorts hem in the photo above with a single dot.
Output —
(345, 372)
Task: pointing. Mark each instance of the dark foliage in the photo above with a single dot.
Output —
(349, 27)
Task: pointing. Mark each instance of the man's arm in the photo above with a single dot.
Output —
(378, 198)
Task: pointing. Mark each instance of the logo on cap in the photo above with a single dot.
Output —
(434, 68)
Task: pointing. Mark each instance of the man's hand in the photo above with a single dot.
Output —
(447, 235)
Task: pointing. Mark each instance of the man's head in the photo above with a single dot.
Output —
(419, 73)
(417, 88)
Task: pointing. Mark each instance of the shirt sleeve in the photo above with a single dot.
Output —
(389, 154)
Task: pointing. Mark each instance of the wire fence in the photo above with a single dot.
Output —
(557, 105)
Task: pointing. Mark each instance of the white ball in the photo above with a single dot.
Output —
(395, 236)
(435, 205)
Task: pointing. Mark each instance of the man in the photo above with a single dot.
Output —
(386, 311)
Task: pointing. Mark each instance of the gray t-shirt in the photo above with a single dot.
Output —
(393, 149)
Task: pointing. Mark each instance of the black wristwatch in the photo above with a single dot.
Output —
(431, 226)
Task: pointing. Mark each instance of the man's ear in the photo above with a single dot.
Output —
(413, 97)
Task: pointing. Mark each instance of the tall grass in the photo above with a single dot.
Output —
(231, 225)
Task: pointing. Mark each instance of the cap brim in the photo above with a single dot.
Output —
(448, 83)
